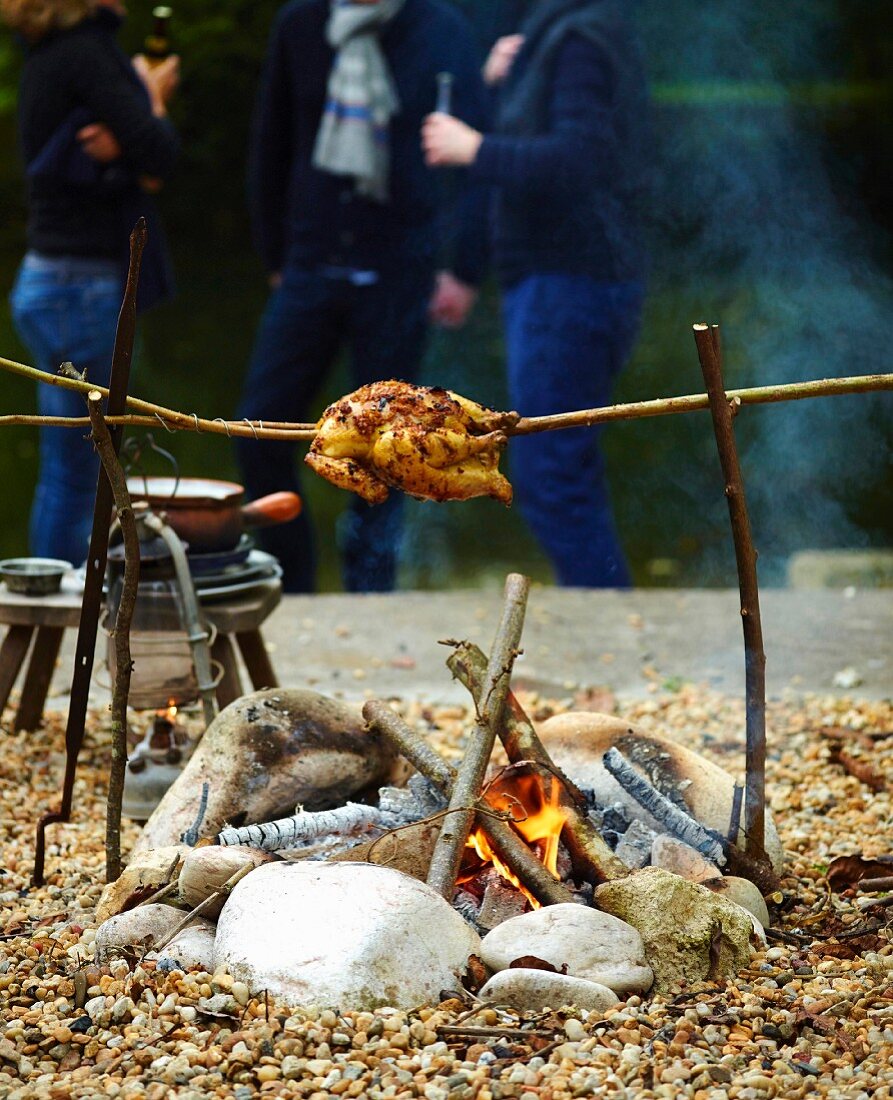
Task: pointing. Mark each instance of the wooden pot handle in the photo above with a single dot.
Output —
(275, 508)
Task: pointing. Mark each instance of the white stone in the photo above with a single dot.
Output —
(208, 868)
(352, 935)
(743, 892)
(141, 927)
(578, 740)
(681, 859)
(191, 949)
(591, 944)
(532, 990)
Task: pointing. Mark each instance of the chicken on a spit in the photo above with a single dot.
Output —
(427, 441)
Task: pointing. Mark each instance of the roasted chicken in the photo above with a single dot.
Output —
(429, 442)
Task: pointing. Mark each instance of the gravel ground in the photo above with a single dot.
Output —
(813, 1015)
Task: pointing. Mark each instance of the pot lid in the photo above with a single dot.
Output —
(169, 492)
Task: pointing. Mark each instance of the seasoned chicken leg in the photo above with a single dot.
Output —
(432, 444)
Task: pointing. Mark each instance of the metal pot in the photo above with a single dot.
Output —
(211, 515)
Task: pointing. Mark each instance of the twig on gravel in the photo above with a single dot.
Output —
(467, 788)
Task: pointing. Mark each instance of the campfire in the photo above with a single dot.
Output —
(511, 857)
(535, 813)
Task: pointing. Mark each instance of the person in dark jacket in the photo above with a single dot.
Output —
(348, 221)
(567, 163)
(95, 139)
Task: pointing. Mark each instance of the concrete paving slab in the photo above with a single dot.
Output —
(387, 645)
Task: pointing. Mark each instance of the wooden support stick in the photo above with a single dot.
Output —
(504, 841)
(467, 789)
(91, 602)
(123, 663)
(590, 853)
(707, 340)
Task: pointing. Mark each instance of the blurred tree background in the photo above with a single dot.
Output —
(770, 214)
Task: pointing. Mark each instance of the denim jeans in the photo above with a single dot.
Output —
(66, 309)
(306, 323)
(567, 338)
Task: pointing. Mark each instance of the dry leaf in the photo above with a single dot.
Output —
(846, 871)
(531, 962)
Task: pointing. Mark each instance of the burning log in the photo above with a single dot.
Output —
(592, 857)
(675, 821)
(470, 779)
(349, 820)
(506, 844)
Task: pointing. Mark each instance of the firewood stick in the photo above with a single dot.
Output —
(155, 415)
(504, 841)
(467, 788)
(709, 348)
(589, 851)
(870, 885)
(123, 663)
(409, 744)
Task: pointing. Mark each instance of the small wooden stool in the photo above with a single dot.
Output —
(43, 620)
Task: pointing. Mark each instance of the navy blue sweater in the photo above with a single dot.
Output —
(560, 206)
(83, 72)
(305, 216)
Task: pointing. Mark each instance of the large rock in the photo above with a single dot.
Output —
(590, 944)
(342, 934)
(142, 928)
(265, 754)
(533, 990)
(146, 873)
(578, 740)
(689, 933)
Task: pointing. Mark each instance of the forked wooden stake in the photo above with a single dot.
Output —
(124, 617)
(707, 340)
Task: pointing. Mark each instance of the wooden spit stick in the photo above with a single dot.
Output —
(709, 348)
(504, 841)
(590, 854)
(454, 832)
(159, 416)
(124, 617)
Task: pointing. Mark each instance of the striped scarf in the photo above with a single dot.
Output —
(361, 99)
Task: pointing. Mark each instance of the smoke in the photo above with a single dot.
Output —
(753, 226)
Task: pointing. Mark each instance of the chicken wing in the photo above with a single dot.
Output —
(427, 441)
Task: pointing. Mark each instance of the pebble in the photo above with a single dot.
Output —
(141, 1034)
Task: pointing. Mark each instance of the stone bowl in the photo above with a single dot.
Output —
(33, 576)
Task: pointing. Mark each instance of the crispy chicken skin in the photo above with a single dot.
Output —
(427, 441)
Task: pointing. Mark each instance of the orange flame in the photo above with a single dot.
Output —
(539, 821)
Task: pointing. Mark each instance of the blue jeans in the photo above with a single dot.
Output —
(306, 323)
(567, 338)
(66, 309)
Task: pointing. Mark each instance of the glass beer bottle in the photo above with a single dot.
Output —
(157, 45)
